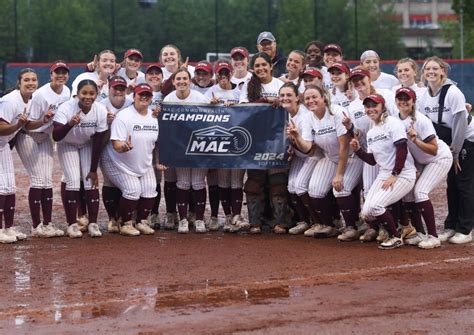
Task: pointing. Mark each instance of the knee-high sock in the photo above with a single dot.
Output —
(2, 209)
(126, 209)
(299, 207)
(306, 200)
(427, 211)
(9, 210)
(388, 222)
(225, 198)
(200, 203)
(92, 201)
(323, 209)
(409, 210)
(214, 197)
(71, 199)
(111, 199)
(144, 208)
(170, 196)
(34, 200)
(237, 197)
(182, 199)
(348, 207)
(47, 204)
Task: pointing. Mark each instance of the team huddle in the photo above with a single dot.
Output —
(366, 147)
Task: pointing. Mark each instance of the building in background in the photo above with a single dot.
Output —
(420, 22)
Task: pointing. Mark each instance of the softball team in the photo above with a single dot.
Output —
(399, 137)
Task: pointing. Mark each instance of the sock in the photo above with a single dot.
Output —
(224, 196)
(34, 201)
(47, 205)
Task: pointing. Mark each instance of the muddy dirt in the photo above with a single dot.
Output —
(219, 283)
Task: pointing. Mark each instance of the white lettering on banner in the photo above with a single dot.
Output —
(218, 141)
(196, 117)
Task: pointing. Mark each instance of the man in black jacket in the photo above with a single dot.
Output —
(266, 42)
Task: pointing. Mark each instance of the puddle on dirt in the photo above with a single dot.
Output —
(135, 301)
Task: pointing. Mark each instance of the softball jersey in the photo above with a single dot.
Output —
(110, 108)
(269, 90)
(425, 130)
(454, 102)
(386, 81)
(143, 132)
(12, 107)
(42, 99)
(95, 121)
(224, 96)
(380, 142)
(167, 74)
(139, 79)
(241, 81)
(325, 132)
(193, 97)
(94, 76)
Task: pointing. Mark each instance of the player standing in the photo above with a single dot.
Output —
(35, 148)
(387, 147)
(79, 127)
(452, 124)
(13, 116)
(128, 161)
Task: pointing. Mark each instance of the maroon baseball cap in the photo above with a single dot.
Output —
(359, 73)
(333, 47)
(204, 66)
(239, 50)
(143, 88)
(341, 67)
(59, 65)
(223, 65)
(406, 90)
(154, 66)
(313, 73)
(131, 52)
(377, 98)
(117, 81)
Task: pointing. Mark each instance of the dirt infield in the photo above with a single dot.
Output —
(219, 283)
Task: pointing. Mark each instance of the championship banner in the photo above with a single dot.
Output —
(248, 136)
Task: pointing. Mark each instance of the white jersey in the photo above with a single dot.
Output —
(325, 132)
(43, 98)
(224, 96)
(12, 107)
(139, 79)
(95, 121)
(193, 97)
(380, 141)
(327, 82)
(299, 120)
(454, 103)
(419, 90)
(167, 74)
(270, 90)
(241, 81)
(386, 81)
(424, 130)
(143, 132)
(200, 89)
(340, 98)
(360, 119)
(94, 76)
(111, 108)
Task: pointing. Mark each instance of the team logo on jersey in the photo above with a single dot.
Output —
(218, 141)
